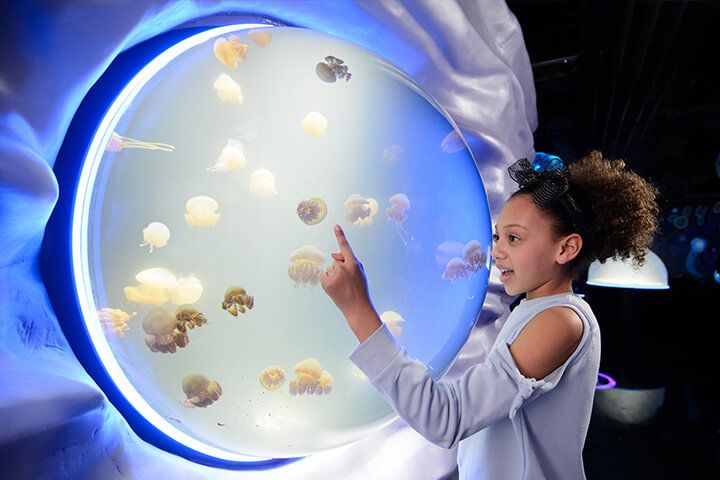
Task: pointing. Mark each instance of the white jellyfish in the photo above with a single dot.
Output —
(314, 124)
(156, 234)
(305, 269)
(154, 286)
(188, 290)
(201, 211)
(262, 183)
(455, 269)
(261, 36)
(230, 51)
(474, 256)
(115, 320)
(360, 210)
(232, 158)
(394, 322)
(118, 143)
(391, 155)
(452, 143)
(227, 89)
(399, 204)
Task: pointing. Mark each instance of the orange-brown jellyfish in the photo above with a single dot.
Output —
(118, 142)
(187, 316)
(162, 332)
(305, 269)
(272, 377)
(230, 51)
(314, 124)
(332, 69)
(310, 379)
(474, 256)
(236, 300)
(399, 204)
(156, 234)
(456, 269)
(312, 211)
(154, 286)
(115, 320)
(261, 36)
(201, 211)
(227, 89)
(199, 391)
(360, 210)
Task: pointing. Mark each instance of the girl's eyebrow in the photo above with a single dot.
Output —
(505, 227)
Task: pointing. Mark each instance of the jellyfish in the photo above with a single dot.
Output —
(154, 286)
(227, 89)
(455, 269)
(399, 203)
(230, 51)
(236, 300)
(187, 316)
(452, 143)
(272, 377)
(391, 155)
(474, 256)
(360, 210)
(156, 234)
(447, 250)
(305, 268)
(232, 158)
(261, 36)
(262, 183)
(394, 322)
(115, 320)
(188, 290)
(314, 124)
(310, 378)
(332, 69)
(312, 211)
(201, 211)
(118, 142)
(162, 332)
(199, 391)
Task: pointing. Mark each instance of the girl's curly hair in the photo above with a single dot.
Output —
(619, 210)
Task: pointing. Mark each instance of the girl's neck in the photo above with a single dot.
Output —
(550, 288)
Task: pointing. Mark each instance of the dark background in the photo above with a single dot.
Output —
(638, 80)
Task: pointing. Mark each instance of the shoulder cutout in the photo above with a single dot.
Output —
(547, 341)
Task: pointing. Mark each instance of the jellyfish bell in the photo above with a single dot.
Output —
(456, 269)
(199, 391)
(394, 322)
(154, 286)
(360, 210)
(305, 268)
(156, 234)
(473, 255)
(201, 211)
(325, 73)
(262, 183)
(314, 124)
(232, 158)
(227, 89)
(312, 211)
(272, 377)
(162, 333)
(261, 36)
(230, 51)
(188, 290)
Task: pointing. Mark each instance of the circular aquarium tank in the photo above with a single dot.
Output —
(202, 219)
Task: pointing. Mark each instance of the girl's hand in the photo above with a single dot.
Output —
(344, 281)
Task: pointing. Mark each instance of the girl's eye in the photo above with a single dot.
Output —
(495, 237)
(513, 238)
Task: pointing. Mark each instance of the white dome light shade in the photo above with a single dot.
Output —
(652, 275)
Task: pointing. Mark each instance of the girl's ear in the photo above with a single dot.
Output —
(569, 248)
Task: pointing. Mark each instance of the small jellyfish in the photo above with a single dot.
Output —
(187, 316)
(392, 154)
(447, 250)
(199, 391)
(305, 268)
(360, 210)
(455, 269)
(232, 158)
(201, 211)
(230, 51)
(162, 332)
(236, 300)
(115, 320)
(154, 286)
(311, 379)
(399, 204)
(188, 290)
(272, 377)
(312, 211)
(332, 69)
(474, 256)
(452, 143)
(156, 234)
(118, 142)
(314, 124)
(394, 322)
(227, 89)
(262, 183)
(261, 36)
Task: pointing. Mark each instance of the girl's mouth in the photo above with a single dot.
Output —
(505, 275)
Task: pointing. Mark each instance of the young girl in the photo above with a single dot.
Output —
(524, 412)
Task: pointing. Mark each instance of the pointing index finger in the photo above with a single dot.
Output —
(343, 243)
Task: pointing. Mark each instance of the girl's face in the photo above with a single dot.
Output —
(525, 251)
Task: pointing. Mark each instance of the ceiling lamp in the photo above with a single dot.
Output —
(652, 275)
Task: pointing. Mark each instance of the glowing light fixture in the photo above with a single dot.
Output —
(653, 275)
